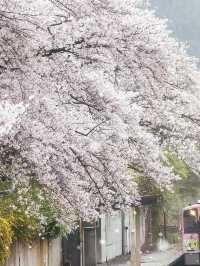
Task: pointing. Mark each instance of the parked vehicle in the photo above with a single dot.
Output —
(190, 229)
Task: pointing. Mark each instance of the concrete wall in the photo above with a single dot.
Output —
(127, 224)
(40, 253)
(110, 240)
(111, 236)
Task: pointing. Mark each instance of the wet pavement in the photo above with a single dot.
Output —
(158, 258)
(161, 258)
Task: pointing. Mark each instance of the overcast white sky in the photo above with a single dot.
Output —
(184, 20)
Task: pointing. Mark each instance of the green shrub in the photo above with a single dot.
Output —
(6, 237)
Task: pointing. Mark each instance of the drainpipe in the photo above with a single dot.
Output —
(123, 233)
(165, 224)
(81, 232)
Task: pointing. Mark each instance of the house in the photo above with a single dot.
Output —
(102, 241)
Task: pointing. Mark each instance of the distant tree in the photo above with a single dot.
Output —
(103, 85)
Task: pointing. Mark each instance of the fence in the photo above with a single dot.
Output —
(40, 253)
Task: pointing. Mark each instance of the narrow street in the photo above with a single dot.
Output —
(160, 258)
(153, 259)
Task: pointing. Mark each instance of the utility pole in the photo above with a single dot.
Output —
(135, 236)
(135, 226)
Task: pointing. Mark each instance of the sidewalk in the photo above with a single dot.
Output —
(159, 258)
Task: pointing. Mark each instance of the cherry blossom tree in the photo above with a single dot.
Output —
(104, 86)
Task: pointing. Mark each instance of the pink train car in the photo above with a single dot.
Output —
(190, 230)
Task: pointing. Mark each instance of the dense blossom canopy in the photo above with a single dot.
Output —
(103, 85)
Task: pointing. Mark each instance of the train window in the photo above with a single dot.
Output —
(190, 221)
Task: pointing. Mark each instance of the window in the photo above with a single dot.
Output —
(191, 222)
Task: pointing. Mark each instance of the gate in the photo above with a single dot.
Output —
(71, 249)
(90, 250)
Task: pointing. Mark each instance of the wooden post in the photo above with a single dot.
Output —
(138, 242)
(135, 236)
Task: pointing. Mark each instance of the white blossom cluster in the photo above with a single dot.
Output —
(108, 86)
(9, 115)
